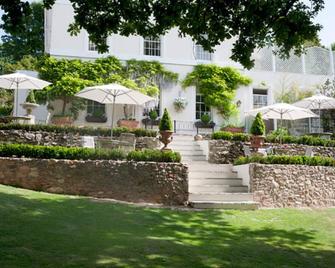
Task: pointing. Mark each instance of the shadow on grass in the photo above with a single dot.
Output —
(76, 232)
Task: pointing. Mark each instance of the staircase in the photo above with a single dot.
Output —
(211, 185)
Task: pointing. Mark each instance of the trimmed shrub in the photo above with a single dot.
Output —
(287, 160)
(258, 126)
(31, 97)
(6, 110)
(305, 140)
(153, 115)
(224, 135)
(76, 153)
(139, 132)
(206, 119)
(166, 123)
(154, 156)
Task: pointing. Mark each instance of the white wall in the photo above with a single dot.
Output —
(177, 56)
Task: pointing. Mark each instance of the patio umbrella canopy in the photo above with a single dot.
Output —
(283, 111)
(17, 81)
(114, 94)
(317, 102)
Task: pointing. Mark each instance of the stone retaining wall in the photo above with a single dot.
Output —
(64, 139)
(292, 185)
(40, 138)
(225, 152)
(165, 183)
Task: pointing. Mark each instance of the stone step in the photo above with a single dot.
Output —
(206, 182)
(230, 197)
(194, 158)
(211, 174)
(217, 189)
(184, 147)
(203, 166)
(191, 153)
(243, 205)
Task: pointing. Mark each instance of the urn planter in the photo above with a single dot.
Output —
(166, 138)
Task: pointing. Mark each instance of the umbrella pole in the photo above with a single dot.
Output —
(113, 115)
(281, 127)
(319, 118)
(16, 98)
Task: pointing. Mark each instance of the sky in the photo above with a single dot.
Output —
(326, 18)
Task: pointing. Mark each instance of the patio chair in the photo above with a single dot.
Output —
(309, 151)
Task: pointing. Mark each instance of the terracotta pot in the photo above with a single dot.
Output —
(234, 129)
(256, 141)
(131, 124)
(62, 120)
(165, 138)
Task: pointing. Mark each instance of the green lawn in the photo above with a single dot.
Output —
(44, 230)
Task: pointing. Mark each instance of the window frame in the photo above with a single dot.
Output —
(152, 51)
(204, 54)
(93, 106)
(259, 97)
(201, 104)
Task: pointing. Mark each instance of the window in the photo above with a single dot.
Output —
(200, 107)
(152, 46)
(201, 54)
(92, 46)
(260, 97)
(95, 108)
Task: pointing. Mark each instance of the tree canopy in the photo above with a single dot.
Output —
(252, 24)
(28, 39)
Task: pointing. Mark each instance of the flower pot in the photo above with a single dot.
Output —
(95, 119)
(256, 142)
(233, 129)
(62, 120)
(165, 138)
(131, 124)
(29, 107)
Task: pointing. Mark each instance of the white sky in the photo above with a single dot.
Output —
(327, 19)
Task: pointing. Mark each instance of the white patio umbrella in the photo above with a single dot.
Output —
(283, 111)
(17, 81)
(317, 102)
(114, 94)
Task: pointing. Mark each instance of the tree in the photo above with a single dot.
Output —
(217, 85)
(328, 88)
(26, 40)
(293, 94)
(287, 24)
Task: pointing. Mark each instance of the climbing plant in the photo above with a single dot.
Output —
(218, 86)
(70, 76)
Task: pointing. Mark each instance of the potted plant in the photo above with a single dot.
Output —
(97, 116)
(62, 119)
(257, 130)
(205, 122)
(165, 129)
(151, 118)
(233, 129)
(30, 104)
(127, 121)
(180, 104)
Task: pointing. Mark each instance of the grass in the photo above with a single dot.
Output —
(45, 230)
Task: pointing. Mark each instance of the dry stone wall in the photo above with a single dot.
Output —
(68, 139)
(165, 183)
(292, 185)
(225, 152)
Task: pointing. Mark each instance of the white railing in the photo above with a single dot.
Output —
(316, 61)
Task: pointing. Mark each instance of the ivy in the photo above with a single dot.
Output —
(218, 86)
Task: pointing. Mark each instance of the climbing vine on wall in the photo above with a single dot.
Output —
(218, 86)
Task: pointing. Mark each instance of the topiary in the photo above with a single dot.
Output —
(31, 97)
(258, 126)
(165, 124)
(206, 119)
(153, 115)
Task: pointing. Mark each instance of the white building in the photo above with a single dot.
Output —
(180, 55)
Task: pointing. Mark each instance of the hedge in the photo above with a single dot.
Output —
(306, 140)
(89, 131)
(225, 135)
(77, 153)
(287, 160)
